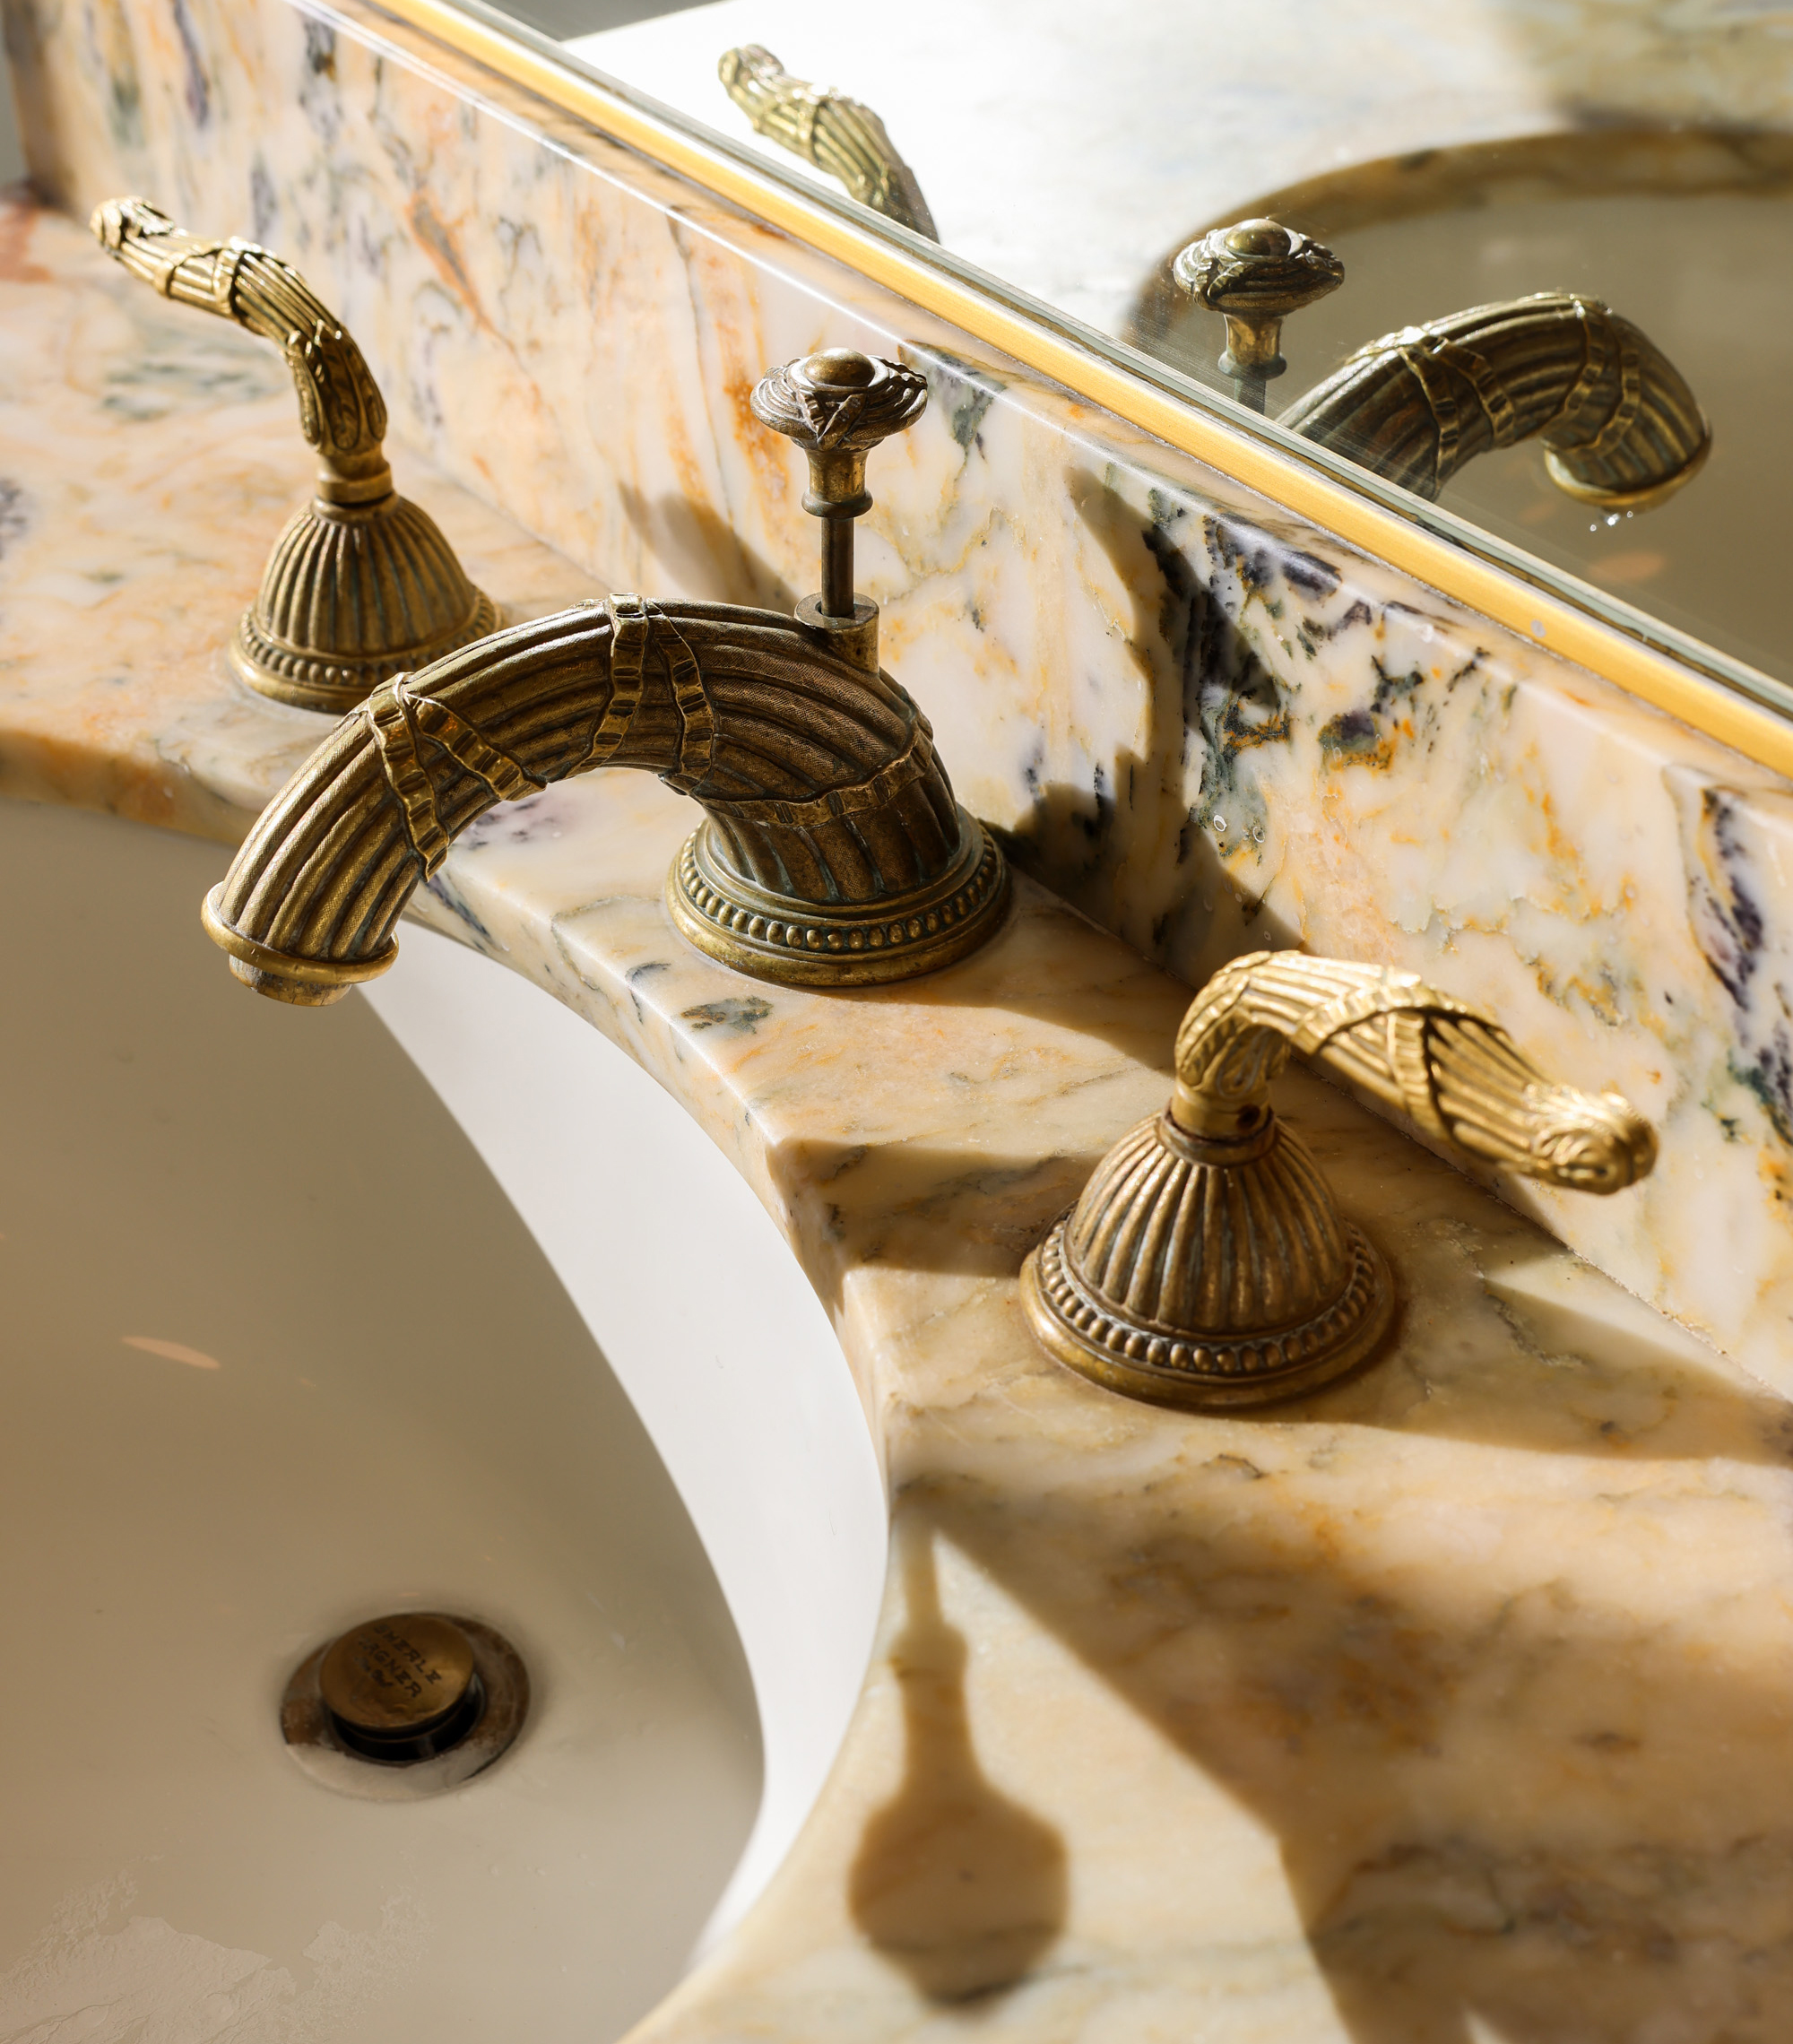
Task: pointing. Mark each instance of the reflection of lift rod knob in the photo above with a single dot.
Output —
(837, 406)
(1255, 274)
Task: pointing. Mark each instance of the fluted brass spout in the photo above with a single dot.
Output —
(832, 852)
(1620, 427)
(361, 584)
(1207, 1264)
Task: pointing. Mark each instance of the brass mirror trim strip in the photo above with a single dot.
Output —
(1728, 700)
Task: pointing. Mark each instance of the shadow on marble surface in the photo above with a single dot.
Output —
(1506, 1808)
(921, 1206)
(1607, 1380)
(1504, 1342)
(1134, 828)
(954, 1882)
(703, 550)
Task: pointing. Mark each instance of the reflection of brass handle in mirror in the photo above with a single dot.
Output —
(835, 133)
(831, 853)
(1619, 425)
(361, 584)
(1207, 1264)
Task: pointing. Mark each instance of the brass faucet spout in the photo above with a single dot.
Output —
(1620, 427)
(833, 851)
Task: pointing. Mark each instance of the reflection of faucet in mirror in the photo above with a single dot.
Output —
(831, 853)
(361, 584)
(826, 128)
(1207, 1264)
(1620, 427)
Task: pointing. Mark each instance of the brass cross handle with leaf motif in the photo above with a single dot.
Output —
(361, 585)
(1207, 1263)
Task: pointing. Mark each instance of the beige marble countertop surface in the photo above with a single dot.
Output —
(1450, 1707)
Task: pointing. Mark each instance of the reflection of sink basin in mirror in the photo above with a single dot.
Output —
(1689, 236)
(280, 1356)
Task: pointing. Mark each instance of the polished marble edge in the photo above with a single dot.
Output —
(1205, 723)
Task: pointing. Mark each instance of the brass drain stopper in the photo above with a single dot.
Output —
(402, 1688)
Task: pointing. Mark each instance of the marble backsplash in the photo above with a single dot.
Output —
(1208, 725)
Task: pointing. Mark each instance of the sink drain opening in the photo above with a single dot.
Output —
(405, 1705)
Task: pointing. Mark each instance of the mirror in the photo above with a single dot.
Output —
(1617, 180)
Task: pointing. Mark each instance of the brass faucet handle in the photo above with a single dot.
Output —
(837, 405)
(1207, 1263)
(361, 584)
(1449, 1068)
(341, 413)
(837, 134)
(1255, 275)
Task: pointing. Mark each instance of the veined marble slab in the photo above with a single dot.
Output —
(1206, 724)
(1451, 1704)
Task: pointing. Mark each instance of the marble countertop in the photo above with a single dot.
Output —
(1448, 1705)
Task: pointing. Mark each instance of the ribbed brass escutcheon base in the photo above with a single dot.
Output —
(335, 682)
(803, 943)
(1171, 1366)
(353, 595)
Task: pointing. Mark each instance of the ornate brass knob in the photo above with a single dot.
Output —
(837, 406)
(361, 585)
(837, 134)
(1207, 1264)
(1255, 274)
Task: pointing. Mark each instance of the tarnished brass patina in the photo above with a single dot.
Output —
(1207, 1264)
(832, 852)
(361, 585)
(400, 1688)
(826, 128)
(1620, 427)
(406, 1706)
(837, 406)
(1255, 275)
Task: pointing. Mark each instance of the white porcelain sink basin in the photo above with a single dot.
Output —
(279, 1355)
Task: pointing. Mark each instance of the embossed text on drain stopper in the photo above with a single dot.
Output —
(401, 1687)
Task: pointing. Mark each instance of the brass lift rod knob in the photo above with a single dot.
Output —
(1207, 1263)
(361, 584)
(1255, 275)
(837, 406)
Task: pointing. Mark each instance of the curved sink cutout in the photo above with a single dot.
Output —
(280, 1355)
(723, 1349)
